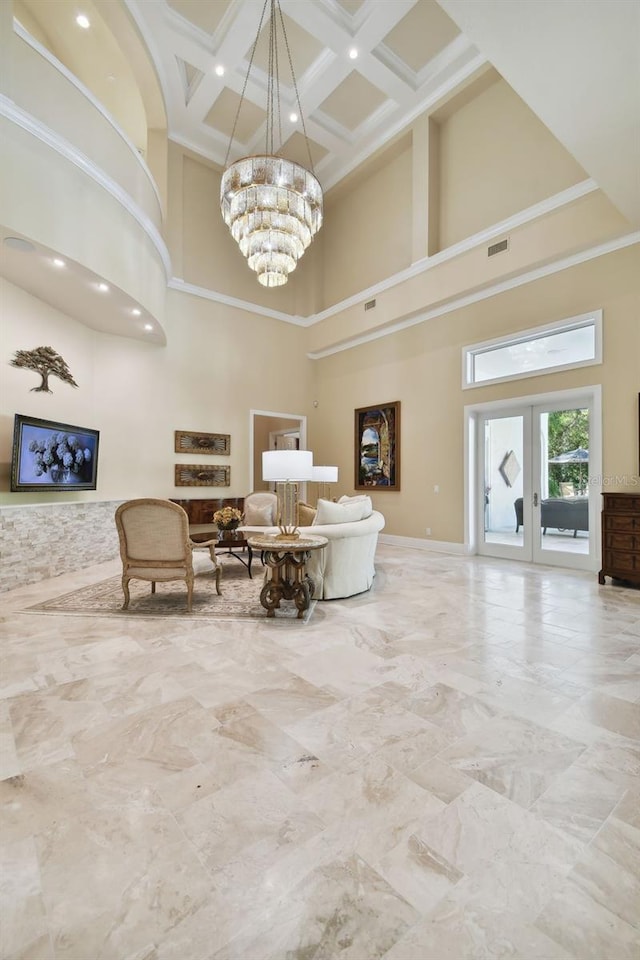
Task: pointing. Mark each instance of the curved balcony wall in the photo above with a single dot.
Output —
(72, 181)
(49, 198)
(44, 88)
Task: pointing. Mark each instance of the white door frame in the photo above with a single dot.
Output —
(567, 398)
(281, 416)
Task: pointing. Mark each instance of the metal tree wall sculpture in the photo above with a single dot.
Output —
(46, 362)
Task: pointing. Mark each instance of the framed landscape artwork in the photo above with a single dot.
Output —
(377, 447)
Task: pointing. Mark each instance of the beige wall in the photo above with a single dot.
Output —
(421, 367)
(496, 158)
(137, 395)
(583, 223)
(367, 234)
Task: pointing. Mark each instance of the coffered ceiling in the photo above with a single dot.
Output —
(575, 63)
(364, 69)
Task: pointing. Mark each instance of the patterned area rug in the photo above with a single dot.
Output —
(239, 600)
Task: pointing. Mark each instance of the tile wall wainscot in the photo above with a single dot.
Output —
(38, 541)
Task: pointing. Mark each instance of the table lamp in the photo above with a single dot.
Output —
(323, 477)
(287, 468)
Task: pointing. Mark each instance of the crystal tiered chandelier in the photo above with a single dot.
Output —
(272, 206)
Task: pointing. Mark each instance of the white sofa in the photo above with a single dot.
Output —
(346, 565)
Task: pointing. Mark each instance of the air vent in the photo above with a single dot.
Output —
(498, 247)
(370, 304)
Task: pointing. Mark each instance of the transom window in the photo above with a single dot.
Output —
(576, 342)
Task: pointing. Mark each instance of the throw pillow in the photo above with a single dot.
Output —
(258, 516)
(364, 500)
(306, 514)
(329, 512)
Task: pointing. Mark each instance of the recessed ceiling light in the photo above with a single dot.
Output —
(148, 326)
(17, 243)
(57, 262)
(103, 287)
(83, 21)
(219, 70)
(353, 53)
(136, 312)
(293, 117)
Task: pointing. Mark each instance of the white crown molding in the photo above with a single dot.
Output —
(592, 253)
(86, 93)
(430, 546)
(534, 212)
(420, 266)
(10, 111)
(176, 283)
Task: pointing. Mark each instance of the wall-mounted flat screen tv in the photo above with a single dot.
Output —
(53, 456)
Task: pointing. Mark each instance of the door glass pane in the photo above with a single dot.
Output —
(503, 480)
(564, 481)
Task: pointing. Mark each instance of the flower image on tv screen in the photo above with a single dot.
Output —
(53, 456)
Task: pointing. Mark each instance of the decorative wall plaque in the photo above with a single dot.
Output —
(47, 362)
(199, 475)
(509, 468)
(186, 441)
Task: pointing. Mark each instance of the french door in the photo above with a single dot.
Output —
(532, 484)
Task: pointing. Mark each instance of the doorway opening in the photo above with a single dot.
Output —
(269, 430)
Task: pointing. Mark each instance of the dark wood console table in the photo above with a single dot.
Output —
(200, 510)
(620, 537)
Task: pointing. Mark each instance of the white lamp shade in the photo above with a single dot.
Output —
(281, 465)
(325, 474)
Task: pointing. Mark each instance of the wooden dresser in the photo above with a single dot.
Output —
(620, 537)
(200, 510)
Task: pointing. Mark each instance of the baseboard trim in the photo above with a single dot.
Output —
(431, 546)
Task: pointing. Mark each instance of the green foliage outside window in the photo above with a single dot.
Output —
(568, 430)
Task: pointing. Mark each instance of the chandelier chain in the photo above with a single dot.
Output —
(295, 87)
(274, 116)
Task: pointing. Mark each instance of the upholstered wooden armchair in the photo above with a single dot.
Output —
(260, 509)
(155, 545)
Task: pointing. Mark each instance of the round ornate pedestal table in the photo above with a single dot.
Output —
(287, 561)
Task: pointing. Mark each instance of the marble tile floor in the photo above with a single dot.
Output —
(444, 767)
